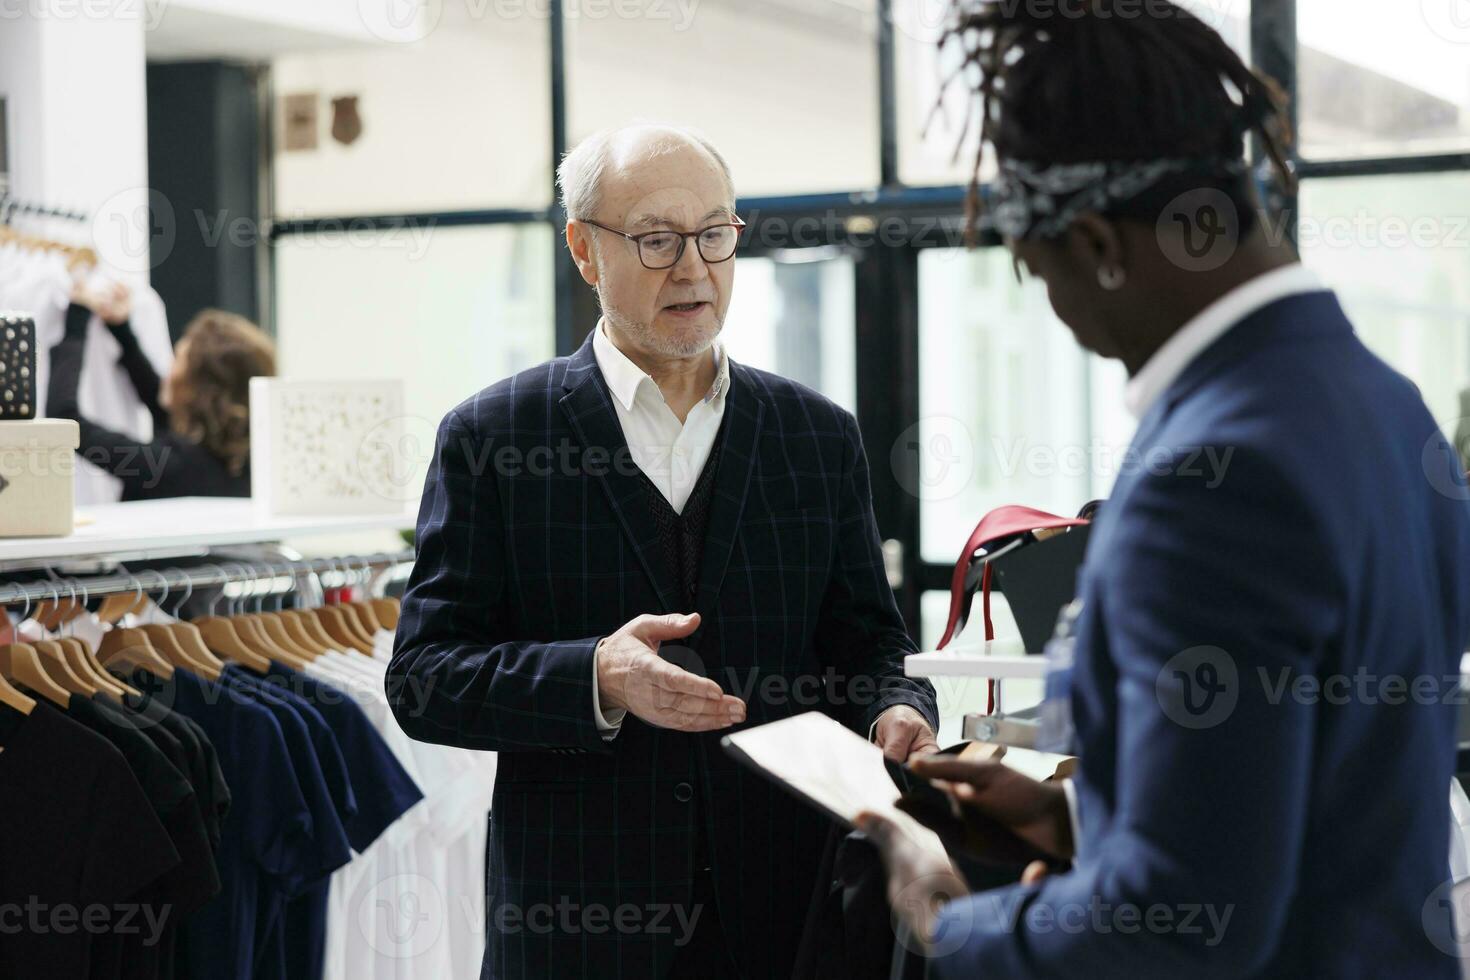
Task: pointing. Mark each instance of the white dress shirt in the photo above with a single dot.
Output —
(670, 453)
(1212, 323)
(1179, 351)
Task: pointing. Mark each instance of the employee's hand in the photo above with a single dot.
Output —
(631, 675)
(904, 734)
(920, 882)
(991, 793)
(112, 301)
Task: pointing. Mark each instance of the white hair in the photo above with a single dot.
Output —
(579, 175)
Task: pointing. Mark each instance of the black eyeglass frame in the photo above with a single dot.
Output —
(684, 237)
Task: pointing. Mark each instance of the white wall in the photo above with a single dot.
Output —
(74, 87)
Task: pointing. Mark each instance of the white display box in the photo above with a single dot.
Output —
(37, 477)
(327, 447)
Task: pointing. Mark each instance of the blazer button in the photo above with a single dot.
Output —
(683, 792)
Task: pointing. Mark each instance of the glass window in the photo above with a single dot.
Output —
(927, 157)
(449, 311)
(1383, 77)
(458, 120)
(793, 315)
(1397, 250)
(1006, 401)
(788, 91)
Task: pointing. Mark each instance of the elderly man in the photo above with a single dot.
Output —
(624, 553)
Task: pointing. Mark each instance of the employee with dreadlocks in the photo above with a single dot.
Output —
(1264, 662)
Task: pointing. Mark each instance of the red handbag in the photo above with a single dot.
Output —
(996, 531)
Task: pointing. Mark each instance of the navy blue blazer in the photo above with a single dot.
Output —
(1248, 806)
(535, 539)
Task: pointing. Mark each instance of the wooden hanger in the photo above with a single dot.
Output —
(352, 619)
(13, 698)
(181, 645)
(77, 654)
(20, 662)
(387, 610)
(219, 634)
(267, 643)
(132, 646)
(54, 659)
(295, 628)
(311, 624)
(334, 623)
(274, 625)
(83, 658)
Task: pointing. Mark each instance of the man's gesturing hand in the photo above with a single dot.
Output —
(631, 675)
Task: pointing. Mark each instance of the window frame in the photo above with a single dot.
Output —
(887, 342)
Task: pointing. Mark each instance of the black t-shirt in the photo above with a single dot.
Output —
(202, 761)
(79, 841)
(196, 880)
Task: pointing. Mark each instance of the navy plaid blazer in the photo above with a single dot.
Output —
(535, 540)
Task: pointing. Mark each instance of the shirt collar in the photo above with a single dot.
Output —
(624, 378)
(1191, 340)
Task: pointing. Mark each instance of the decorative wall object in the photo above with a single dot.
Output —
(326, 447)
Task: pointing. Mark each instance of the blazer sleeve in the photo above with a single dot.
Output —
(1213, 596)
(457, 675)
(860, 633)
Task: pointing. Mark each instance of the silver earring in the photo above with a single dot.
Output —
(1111, 277)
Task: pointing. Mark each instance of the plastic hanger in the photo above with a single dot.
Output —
(20, 663)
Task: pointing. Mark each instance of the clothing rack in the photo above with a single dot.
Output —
(16, 207)
(223, 571)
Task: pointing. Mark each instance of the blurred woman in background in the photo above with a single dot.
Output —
(201, 411)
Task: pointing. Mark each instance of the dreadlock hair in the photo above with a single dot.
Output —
(1081, 80)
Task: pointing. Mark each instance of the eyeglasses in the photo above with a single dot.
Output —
(664, 249)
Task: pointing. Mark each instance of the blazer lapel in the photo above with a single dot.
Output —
(589, 409)
(744, 413)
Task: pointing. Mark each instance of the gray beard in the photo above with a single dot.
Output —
(646, 337)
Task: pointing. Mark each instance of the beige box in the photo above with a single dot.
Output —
(37, 485)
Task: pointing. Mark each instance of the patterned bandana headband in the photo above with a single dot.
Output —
(1029, 200)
